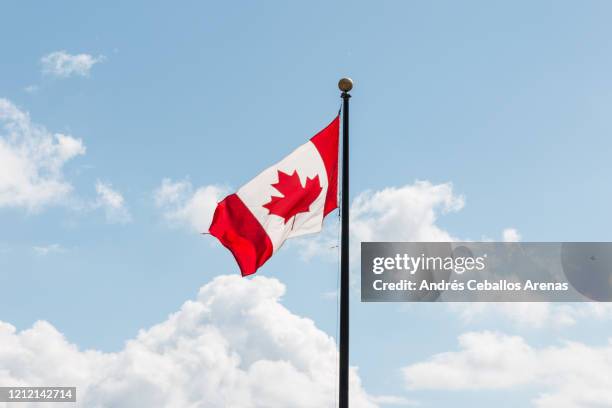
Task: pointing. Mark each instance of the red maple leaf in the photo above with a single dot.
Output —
(296, 199)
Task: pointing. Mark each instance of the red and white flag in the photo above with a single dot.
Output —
(286, 200)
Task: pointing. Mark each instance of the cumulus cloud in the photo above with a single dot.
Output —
(572, 374)
(412, 213)
(32, 160)
(183, 206)
(113, 204)
(63, 65)
(235, 345)
(407, 213)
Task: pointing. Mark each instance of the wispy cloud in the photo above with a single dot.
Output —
(48, 249)
(63, 65)
(330, 295)
(183, 206)
(113, 203)
(31, 89)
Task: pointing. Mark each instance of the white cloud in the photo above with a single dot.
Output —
(407, 213)
(63, 65)
(48, 249)
(511, 235)
(113, 203)
(486, 361)
(32, 160)
(572, 375)
(411, 213)
(236, 345)
(184, 206)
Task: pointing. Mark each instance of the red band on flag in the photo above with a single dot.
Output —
(326, 142)
(240, 232)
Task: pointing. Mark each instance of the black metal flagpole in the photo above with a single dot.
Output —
(345, 85)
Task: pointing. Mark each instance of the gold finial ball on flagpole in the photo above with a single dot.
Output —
(345, 84)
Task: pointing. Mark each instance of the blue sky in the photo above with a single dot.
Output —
(508, 102)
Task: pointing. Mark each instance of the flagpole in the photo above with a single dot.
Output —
(345, 85)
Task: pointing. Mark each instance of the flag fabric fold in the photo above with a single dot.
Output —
(286, 200)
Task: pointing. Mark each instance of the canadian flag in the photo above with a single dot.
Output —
(286, 200)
